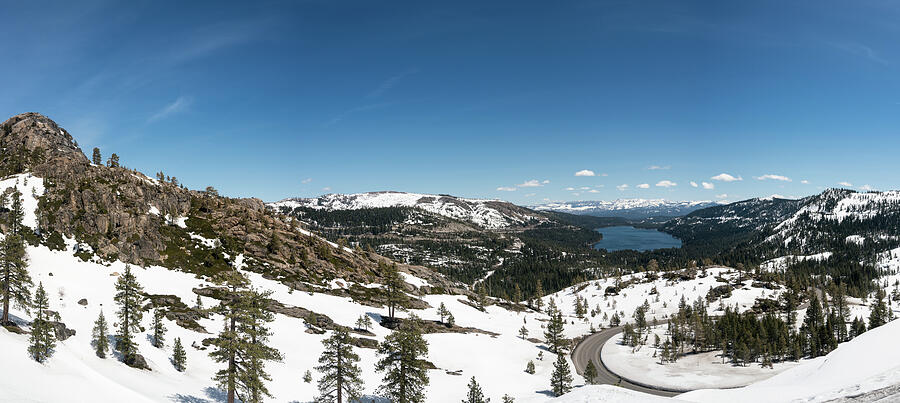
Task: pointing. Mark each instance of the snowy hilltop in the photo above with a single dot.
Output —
(485, 213)
(628, 208)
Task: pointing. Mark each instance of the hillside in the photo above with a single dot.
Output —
(632, 209)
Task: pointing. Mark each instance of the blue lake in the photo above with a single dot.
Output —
(620, 238)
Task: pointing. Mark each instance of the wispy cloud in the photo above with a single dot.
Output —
(345, 114)
(694, 184)
(326, 189)
(805, 182)
(391, 82)
(666, 184)
(585, 172)
(643, 186)
(305, 181)
(708, 186)
(858, 49)
(622, 186)
(532, 183)
(658, 167)
(722, 196)
(774, 178)
(726, 178)
(506, 189)
(866, 188)
(179, 105)
(846, 184)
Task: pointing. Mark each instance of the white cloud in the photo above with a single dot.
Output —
(305, 181)
(530, 194)
(570, 188)
(726, 178)
(593, 191)
(545, 181)
(774, 177)
(585, 172)
(584, 187)
(604, 174)
(622, 186)
(666, 184)
(866, 188)
(644, 186)
(846, 184)
(707, 185)
(805, 182)
(722, 196)
(326, 189)
(179, 105)
(658, 167)
(694, 184)
(530, 184)
(506, 189)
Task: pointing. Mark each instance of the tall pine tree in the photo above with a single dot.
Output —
(99, 336)
(159, 329)
(179, 357)
(43, 335)
(15, 282)
(402, 360)
(341, 377)
(129, 296)
(561, 379)
(475, 394)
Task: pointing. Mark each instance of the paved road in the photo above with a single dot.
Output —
(589, 350)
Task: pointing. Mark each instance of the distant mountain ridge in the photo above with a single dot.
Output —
(627, 208)
(492, 214)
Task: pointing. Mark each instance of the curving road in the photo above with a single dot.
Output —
(589, 350)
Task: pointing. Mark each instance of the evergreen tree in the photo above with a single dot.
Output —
(43, 335)
(450, 320)
(561, 379)
(402, 360)
(538, 294)
(555, 327)
(529, 368)
(179, 357)
(508, 399)
(878, 311)
(307, 376)
(199, 303)
(393, 289)
(99, 335)
(96, 158)
(442, 312)
(475, 394)
(517, 294)
(15, 282)
(113, 161)
(590, 373)
(480, 296)
(242, 343)
(523, 332)
(364, 323)
(341, 377)
(129, 295)
(159, 329)
(813, 326)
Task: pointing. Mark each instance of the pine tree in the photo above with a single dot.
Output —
(590, 373)
(538, 294)
(480, 296)
(878, 314)
(530, 367)
(555, 327)
(393, 289)
(508, 399)
(242, 343)
(364, 323)
(113, 161)
(402, 360)
(517, 294)
(129, 295)
(43, 335)
(307, 376)
(442, 312)
(179, 357)
(15, 282)
(159, 329)
(475, 394)
(96, 158)
(450, 320)
(199, 304)
(99, 336)
(561, 379)
(523, 332)
(341, 377)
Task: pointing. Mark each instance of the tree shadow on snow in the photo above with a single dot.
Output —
(363, 399)
(217, 395)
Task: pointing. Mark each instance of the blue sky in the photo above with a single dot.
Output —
(502, 100)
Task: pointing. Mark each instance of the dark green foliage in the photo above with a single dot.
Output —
(394, 294)
(179, 357)
(99, 336)
(96, 158)
(553, 334)
(341, 378)
(879, 313)
(475, 394)
(561, 379)
(15, 282)
(43, 335)
(529, 368)
(403, 362)
(129, 296)
(590, 373)
(159, 329)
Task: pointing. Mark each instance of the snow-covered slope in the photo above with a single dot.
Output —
(627, 208)
(865, 364)
(485, 213)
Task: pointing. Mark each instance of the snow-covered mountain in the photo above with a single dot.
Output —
(627, 208)
(485, 213)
